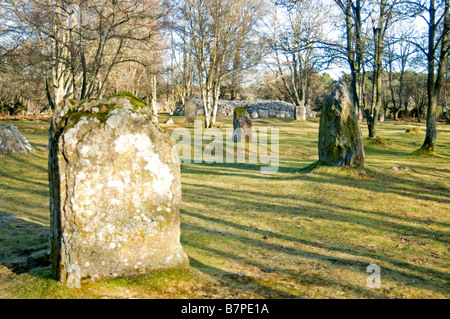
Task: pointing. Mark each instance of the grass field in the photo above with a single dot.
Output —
(296, 234)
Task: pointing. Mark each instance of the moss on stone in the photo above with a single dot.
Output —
(77, 111)
(239, 111)
(134, 100)
(74, 115)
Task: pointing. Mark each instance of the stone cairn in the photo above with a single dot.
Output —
(11, 141)
(190, 111)
(340, 141)
(300, 113)
(115, 192)
(256, 108)
(242, 125)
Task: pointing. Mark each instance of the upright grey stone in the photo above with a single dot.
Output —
(300, 113)
(190, 110)
(11, 141)
(242, 125)
(340, 141)
(381, 116)
(115, 192)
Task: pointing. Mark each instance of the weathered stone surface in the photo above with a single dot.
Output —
(300, 113)
(190, 110)
(115, 192)
(340, 141)
(262, 107)
(381, 116)
(242, 125)
(11, 141)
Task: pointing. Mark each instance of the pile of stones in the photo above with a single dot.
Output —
(256, 108)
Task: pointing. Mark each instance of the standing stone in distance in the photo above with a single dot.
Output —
(190, 110)
(381, 116)
(300, 113)
(242, 125)
(115, 191)
(340, 141)
(168, 121)
(11, 141)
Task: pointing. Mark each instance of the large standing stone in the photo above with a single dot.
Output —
(115, 192)
(300, 113)
(11, 141)
(190, 110)
(381, 116)
(242, 125)
(340, 141)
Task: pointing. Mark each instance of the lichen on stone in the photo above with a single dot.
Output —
(119, 189)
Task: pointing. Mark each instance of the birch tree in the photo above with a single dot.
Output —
(295, 43)
(436, 14)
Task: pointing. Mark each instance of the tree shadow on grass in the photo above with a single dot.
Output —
(24, 245)
(435, 278)
(237, 281)
(302, 280)
(236, 169)
(337, 212)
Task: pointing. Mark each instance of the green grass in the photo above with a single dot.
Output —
(305, 232)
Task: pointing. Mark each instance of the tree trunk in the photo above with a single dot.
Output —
(431, 134)
(372, 125)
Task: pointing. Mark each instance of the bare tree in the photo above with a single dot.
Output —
(217, 33)
(355, 48)
(295, 44)
(382, 20)
(80, 57)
